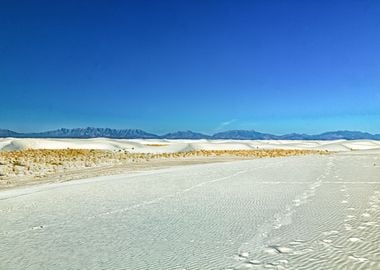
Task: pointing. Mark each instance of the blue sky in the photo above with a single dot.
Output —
(272, 66)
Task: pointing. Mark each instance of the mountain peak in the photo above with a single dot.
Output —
(188, 134)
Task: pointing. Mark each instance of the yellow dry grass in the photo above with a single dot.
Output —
(155, 144)
(42, 162)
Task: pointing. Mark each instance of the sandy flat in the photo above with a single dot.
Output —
(172, 146)
(306, 212)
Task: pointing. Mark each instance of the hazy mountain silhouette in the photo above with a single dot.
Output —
(91, 132)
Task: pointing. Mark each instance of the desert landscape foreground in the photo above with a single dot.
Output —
(309, 211)
(35, 161)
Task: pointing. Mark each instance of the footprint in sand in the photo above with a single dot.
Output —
(358, 259)
(270, 251)
(297, 202)
(243, 255)
(348, 227)
(278, 250)
(370, 223)
(330, 233)
(355, 240)
(38, 227)
(250, 264)
(349, 218)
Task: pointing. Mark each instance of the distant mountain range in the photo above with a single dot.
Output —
(91, 132)
(95, 132)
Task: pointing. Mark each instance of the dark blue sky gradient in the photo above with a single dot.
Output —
(273, 66)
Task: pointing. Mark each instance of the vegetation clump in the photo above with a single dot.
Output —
(43, 162)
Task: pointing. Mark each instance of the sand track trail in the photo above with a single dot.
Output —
(304, 212)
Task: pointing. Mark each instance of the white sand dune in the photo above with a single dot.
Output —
(171, 146)
(305, 212)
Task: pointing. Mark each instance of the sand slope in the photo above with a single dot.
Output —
(309, 212)
(171, 146)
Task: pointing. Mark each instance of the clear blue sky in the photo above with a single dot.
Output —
(272, 66)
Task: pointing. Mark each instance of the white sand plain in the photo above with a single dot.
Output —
(304, 212)
(172, 146)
